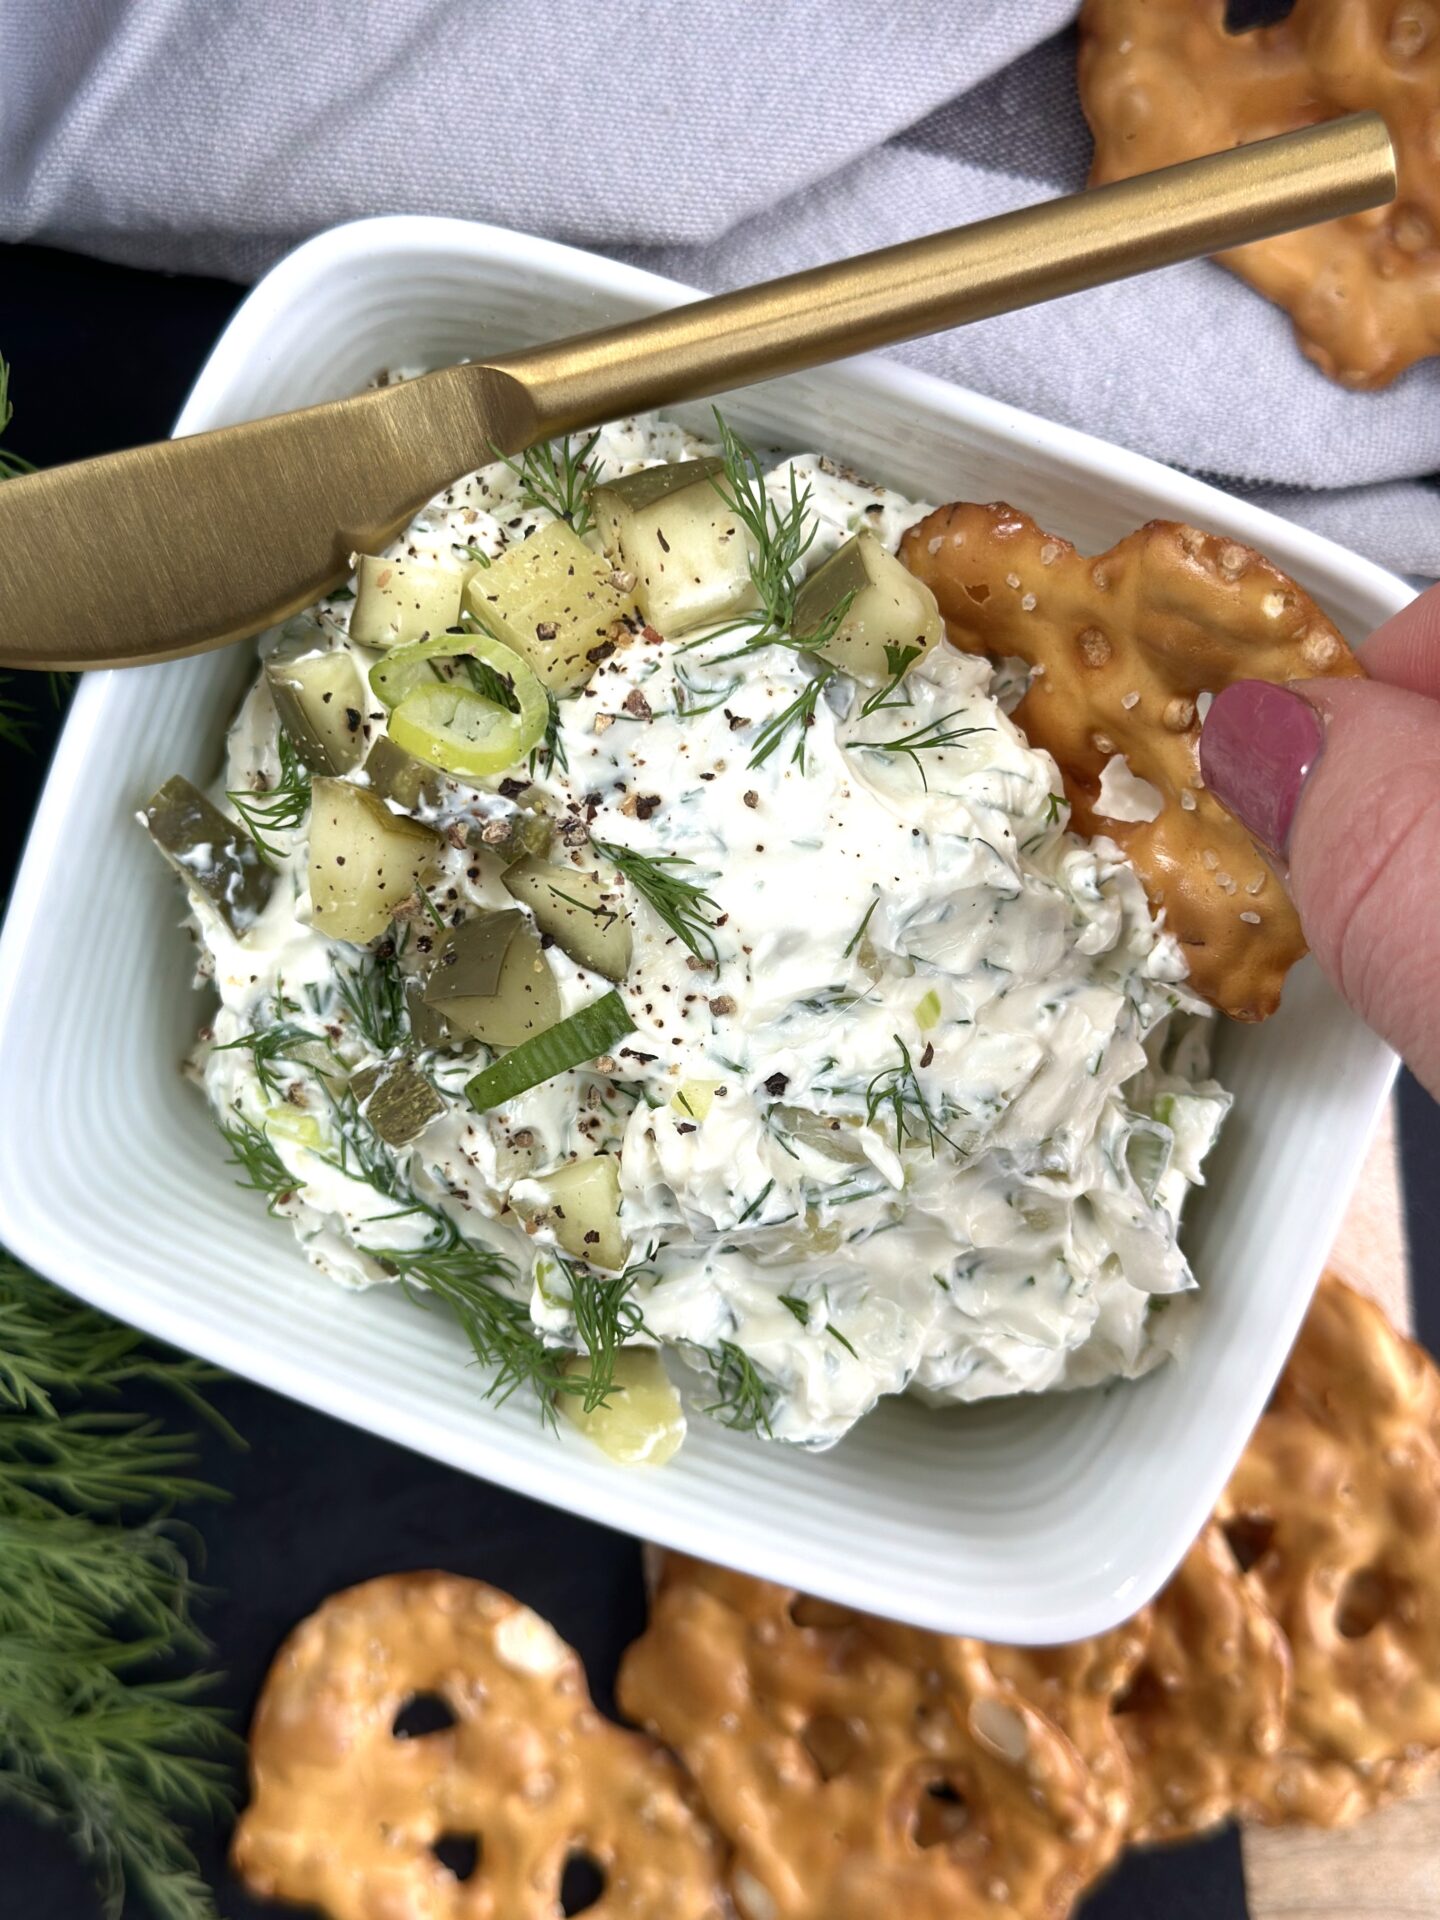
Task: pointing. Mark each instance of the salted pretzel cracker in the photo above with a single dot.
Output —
(1077, 1686)
(1335, 1510)
(345, 1815)
(1123, 645)
(1166, 82)
(1206, 1706)
(851, 1777)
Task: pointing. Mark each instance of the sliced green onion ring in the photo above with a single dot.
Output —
(569, 1043)
(451, 723)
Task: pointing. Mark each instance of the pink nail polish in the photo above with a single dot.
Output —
(1257, 747)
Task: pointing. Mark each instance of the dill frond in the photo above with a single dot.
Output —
(687, 909)
(277, 809)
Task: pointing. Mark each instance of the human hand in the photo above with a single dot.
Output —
(1341, 779)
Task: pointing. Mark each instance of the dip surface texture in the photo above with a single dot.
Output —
(919, 1114)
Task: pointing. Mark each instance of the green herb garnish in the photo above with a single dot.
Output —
(898, 1088)
(799, 714)
(277, 809)
(550, 757)
(859, 934)
(10, 463)
(372, 992)
(745, 1396)
(582, 1036)
(270, 1047)
(937, 734)
(685, 908)
(801, 1310)
(558, 476)
(103, 1733)
(606, 1317)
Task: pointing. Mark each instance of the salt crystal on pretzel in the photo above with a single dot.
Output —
(858, 1769)
(1164, 83)
(1335, 1509)
(345, 1815)
(1124, 644)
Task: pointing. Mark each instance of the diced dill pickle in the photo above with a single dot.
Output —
(555, 602)
(502, 827)
(581, 1207)
(490, 979)
(640, 1422)
(686, 548)
(321, 702)
(428, 1026)
(693, 1099)
(213, 855)
(301, 1129)
(579, 911)
(890, 608)
(927, 1011)
(398, 776)
(398, 1100)
(364, 860)
(400, 600)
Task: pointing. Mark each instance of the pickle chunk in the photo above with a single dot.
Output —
(401, 600)
(671, 529)
(890, 611)
(364, 860)
(640, 1422)
(490, 979)
(398, 1101)
(579, 912)
(213, 855)
(560, 606)
(581, 1207)
(321, 702)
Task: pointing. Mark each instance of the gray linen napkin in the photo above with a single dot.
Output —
(719, 143)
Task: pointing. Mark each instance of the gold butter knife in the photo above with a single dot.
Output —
(175, 548)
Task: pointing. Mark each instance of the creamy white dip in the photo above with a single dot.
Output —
(912, 939)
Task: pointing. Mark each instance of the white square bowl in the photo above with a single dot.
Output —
(1026, 1520)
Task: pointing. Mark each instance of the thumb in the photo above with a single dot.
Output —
(1341, 778)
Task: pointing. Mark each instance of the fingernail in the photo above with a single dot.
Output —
(1257, 747)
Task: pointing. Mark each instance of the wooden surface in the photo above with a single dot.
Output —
(1387, 1867)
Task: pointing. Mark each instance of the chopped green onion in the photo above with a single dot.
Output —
(569, 1043)
(456, 725)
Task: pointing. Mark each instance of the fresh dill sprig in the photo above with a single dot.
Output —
(253, 1152)
(558, 476)
(898, 661)
(277, 809)
(268, 1047)
(372, 992)
(606, 1317)
(853, 942)
(935, 735)
(468, 1279)
(685, 908)
(778, 535)
(801, 1310)
(1053, 803)
(550, 756)
(10, 463)
(898, 1088)
(745, 1396)
(799, 714)
(100, 1735)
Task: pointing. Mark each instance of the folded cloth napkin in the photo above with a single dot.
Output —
(718, 143)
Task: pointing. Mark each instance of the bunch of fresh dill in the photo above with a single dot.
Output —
(103, 1731)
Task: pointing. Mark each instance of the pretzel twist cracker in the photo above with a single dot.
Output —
(1335, 1510)
(858, 1769)
(1166, 82)
(1123, 645)
(346, 1815)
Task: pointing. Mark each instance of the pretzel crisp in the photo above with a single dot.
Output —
(851, 1778)
(1078, 1687)
(1123, 645)
(1335, 1509)
(346, 1815)
(1206, 1707)
(1165, 82)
